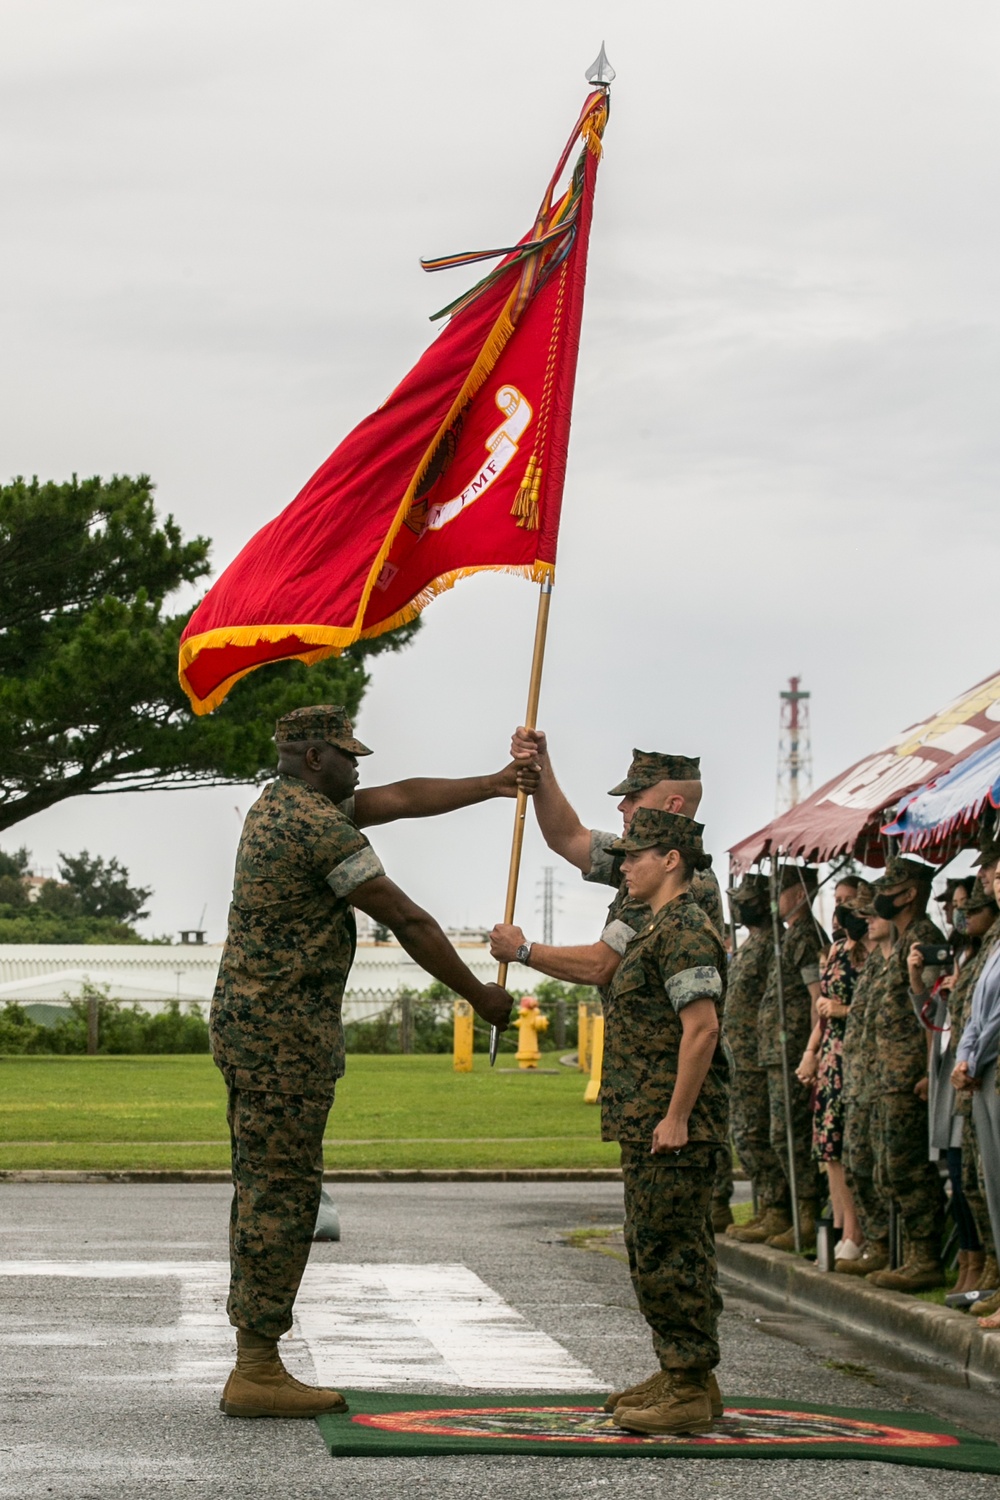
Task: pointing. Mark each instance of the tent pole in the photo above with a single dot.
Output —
(786, 1080)
(521, 807)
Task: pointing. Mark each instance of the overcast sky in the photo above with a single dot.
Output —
(785, 448)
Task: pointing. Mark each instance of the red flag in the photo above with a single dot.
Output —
(460, 470)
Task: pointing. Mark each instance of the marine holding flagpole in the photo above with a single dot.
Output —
(461, 470)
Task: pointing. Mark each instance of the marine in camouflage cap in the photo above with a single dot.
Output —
(798, 875)
(649, 766)
(979, 900)
(650, 826)
(751, 892)
(750, 888)
(900, 871)
(324, 721)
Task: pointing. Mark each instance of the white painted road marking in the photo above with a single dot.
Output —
(364, 1326)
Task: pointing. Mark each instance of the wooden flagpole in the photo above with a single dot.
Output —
(521, 808)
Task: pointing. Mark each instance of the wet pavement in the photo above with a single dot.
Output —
(115, 1348)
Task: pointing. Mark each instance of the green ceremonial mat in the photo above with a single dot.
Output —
(404, 1425)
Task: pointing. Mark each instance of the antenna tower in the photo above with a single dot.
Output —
(548, 887)
(794, 747)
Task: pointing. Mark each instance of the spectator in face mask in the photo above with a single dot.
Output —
(750, 1121)
(860, 1094)
(976, 1073)
(940, 1013)
(802, 946)
(821, 1068)
(844, 892)
(905, 1172)
(953, 898)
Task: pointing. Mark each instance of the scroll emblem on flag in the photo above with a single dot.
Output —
(429, 488)
(502, 447)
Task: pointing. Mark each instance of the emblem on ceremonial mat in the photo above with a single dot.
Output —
(743, 1425)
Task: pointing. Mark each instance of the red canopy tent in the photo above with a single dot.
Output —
(847, 814)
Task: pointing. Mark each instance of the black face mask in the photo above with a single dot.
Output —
(885, 907)
(856, 927)
(750, 915)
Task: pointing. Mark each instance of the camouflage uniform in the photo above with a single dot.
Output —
(861, 1101)
(903, 1169)
(276, 1029)
(627, 917)
(749, 1116)
(801, 948)
(677, 958)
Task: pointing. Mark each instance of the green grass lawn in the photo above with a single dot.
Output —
(170, 1112)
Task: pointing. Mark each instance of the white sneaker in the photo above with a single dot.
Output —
(847, 1250)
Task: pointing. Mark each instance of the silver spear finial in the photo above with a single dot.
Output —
(600, 71)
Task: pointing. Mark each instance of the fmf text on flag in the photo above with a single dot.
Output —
(461, 469)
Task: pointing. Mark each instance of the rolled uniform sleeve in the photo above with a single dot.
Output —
(354, 871)
(691, 971)
(617, 935)
(702, 982)
(809, 973)
(344, 858)
(603, 866)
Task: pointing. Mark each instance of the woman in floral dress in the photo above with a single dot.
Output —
(822, 1066)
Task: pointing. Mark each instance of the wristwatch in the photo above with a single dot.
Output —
(523, 954)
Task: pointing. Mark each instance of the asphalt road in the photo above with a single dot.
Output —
(109, 1381)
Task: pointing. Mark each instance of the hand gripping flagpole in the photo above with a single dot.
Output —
(521, 808)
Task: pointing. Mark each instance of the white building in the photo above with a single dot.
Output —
(44, 976)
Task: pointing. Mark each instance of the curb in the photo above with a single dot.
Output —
(923, 1328)
(361, 1174)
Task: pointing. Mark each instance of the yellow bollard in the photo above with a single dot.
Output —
(592, 1092)
(462, 1046)
(529, 1023)
(583, 1038)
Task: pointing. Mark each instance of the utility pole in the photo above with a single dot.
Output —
(794, 747)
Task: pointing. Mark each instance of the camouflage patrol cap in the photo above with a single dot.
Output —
(651, 826)
(751, 892)
(900, 871)
(979, 900)
(649, 766)
(324, 721)
(862, 904)
(750, 888)
(799, 876)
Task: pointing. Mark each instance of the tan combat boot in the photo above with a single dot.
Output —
(680, 1404)
(921, 1271)
(260, 1386)
(772, 1221)
(874, 1257)
(632, 1394)
(722, 1217)
(989, 1280)
(637, 1395)
(807, 1231)
(733, 1231)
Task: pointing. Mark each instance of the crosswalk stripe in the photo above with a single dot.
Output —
(368, 1326)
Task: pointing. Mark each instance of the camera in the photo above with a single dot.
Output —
(936, 953)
